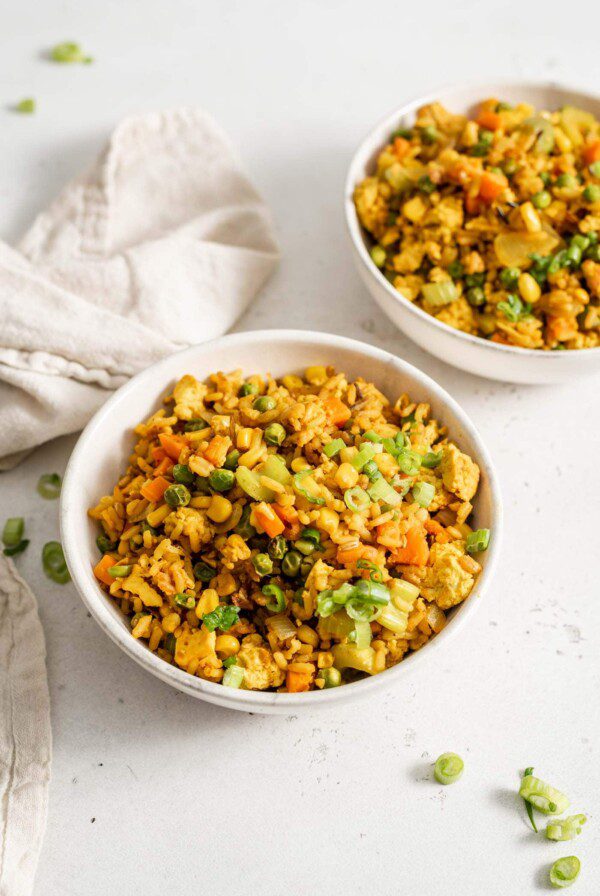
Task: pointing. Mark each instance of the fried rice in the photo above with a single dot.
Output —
(289, 534)
(490, 224)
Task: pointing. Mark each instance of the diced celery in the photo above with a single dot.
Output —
(350, 656)
(403, 594)
(274, 467)
(249, 482)
(392, 618)
(339, 625)
(440, 294)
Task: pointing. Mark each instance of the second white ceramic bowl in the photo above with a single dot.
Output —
(471, 353)
(101, 453)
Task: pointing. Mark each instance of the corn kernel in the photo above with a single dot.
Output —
(292, 383)
(529, 288)
(562, 141)
(299, 463)
(201, 502)
(346, 454)
(220, 509)
(227, 645)
(308, 635)
(328, 520)
(243, 439)
(171, 622)
(346, 476)
(155, 637)
(530, 218)
(156, 517)
(225, 584)
(208, 601)
(316, 376)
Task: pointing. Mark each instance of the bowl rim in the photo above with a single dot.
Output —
(366, 148)
(98, 604)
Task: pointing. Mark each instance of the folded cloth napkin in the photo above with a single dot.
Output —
(25, 738)
(162, 244)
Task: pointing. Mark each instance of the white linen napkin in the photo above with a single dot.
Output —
(25, 736)
(161, 244)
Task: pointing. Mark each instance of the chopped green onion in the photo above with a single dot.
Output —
(53, 561)
(187, 601)
(542, 796)
(440, 294)
(362, 633)
(326, 605)
(233, 677)
(381, 490)
(356, 499)
(332, 677)
(528, 806)
(310, 534)
(376, 571)
(196, 425)
(26, 106)
(409, 462)
(230, 661)
(183, 474)
(222, 617)
(170, 643)
(300, 487)
(371, 471)
(105, 545)
(564, 871)
(49, 486)
(478, 541)
(372, 436)
(277, 604)
(13, 531)
(360, 611)
(177, 496)
(332, 448)
(69, 52)
(509, 277)
(366, 453)
(16, 549)
(371, 592)
(448, 768)
(120, 571)
(431, 460)
(423, 493)
(203, 572)
(456, 269)
(565, 828)
(513, 308)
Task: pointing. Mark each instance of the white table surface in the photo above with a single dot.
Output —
(153, 792)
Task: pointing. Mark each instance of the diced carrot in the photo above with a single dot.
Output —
(350, 555)
(416, 551)
(591, 152)
(561, 328)
(297, 681)
(401, 147)
(268, 520)
(499, 338)
(154, 489)
(289, 516)
(158, 454)
(388, 534)
(101, 569)
(217, 450)
(337, 412)
(164, 466)
(172, 444)
(472, 204)
(489, 119)
(492, 185)
(435, 528)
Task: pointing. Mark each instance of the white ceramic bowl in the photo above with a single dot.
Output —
(100, 457)
(500, 362)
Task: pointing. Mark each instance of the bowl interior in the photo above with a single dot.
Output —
(101, 454)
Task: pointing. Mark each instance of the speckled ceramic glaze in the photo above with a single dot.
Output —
(471, 353)
(101, 455)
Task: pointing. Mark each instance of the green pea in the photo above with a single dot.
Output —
(263, 564)
(305, 546)
(378, 255)
(403, 132)
(264, 403)
(221, 480)
(574, 255)
(479, 150)
(509, 167)
(195, 425)
(203, 572)
(509, 277)
(580, 240)
(248, 389)
(566, 180)
(332, 677)
(146, 527)
(290, 565)
(182, 473)
(595, 169)
(277, 547)
(429, 134)
(486, 136)
(476, 296)
(231, 461)
(306, 566)
(545, 178)
(592, 193)
(105, 545)
(177, 496)
(542, 199)
(275, 434)
(593, 252)
(455, 269)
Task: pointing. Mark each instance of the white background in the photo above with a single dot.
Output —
(155, 793)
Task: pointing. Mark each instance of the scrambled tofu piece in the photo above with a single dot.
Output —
(234, 551)
(261, 670)
(460, 474)
(192, 524)
(194, 644)
(371, 205)
(458, 314)
(445, 581)
(189, 398)
(135, 584)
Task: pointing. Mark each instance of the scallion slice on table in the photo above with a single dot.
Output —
(12, 536)
(448, 768)
(565, 828)
(69, 52)
(53, 561)
(49, 485)
(565, 871)
(526, 774)
(542, 796)
(26, 106)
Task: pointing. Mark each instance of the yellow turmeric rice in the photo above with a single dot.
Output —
(289, 534)
(491, 224)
